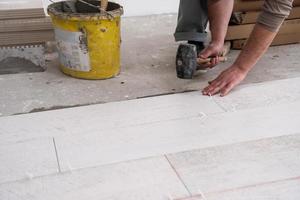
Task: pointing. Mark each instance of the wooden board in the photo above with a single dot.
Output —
(20, 25)
(243, 6)
(29, 37)
(280, 39)
(22, 13)
(250, 17)
(236, 32)
(25, 26)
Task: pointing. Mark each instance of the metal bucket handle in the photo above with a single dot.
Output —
(102, 8)
(104, 4)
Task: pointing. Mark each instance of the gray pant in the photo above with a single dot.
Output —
(192, 21)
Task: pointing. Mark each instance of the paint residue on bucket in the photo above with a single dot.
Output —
(88, 39)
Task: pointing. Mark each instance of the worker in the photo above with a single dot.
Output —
(192, 22)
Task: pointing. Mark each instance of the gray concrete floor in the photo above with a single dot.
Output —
(148, 69)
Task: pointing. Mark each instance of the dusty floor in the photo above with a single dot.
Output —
(181, 146)
(148, 69)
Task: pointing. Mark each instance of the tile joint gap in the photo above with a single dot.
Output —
(218, 104)
(178, 176)
(56, 154)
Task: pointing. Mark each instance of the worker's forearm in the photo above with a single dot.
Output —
(219, 13)
(257, 44)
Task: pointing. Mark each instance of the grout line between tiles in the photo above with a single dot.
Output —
(257, 185)
(218, 104)
(56, 154)
(243, 187)
(178, 176)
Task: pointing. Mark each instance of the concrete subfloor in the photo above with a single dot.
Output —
(148, 69)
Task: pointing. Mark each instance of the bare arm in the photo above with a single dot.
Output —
(257, 44)
(268, 24)
(219, 12)
(274, 13)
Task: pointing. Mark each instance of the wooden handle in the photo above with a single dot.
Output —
(205, 61)
(104, 4)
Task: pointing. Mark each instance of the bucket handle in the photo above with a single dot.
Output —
(102, 8)
(104, 4)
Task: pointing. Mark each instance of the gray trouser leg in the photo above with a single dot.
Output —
(192, 20)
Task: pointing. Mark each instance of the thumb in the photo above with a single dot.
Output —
(206, 53)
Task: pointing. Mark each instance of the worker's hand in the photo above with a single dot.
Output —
(226, 81)
(213, 51)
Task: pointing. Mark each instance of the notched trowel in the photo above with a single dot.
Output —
(188, 62)
(32, 57)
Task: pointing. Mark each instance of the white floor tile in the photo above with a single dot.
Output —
(103, 117)
(231, 167)
(287, 190)
(142, 141)
(27, 160)
(150, 179)
(281, 190)
(262, 94)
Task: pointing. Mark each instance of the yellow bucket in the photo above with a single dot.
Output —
(88, 43)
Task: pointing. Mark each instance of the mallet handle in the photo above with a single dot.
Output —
(104, 4)
(207, 60)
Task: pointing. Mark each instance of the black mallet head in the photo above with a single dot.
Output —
(186, 61)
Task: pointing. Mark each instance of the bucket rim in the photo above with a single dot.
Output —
(52, 11)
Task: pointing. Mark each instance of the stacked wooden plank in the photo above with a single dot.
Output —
(25, 26)
(244, 18)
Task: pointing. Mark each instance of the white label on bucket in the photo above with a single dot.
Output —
(73, 50)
